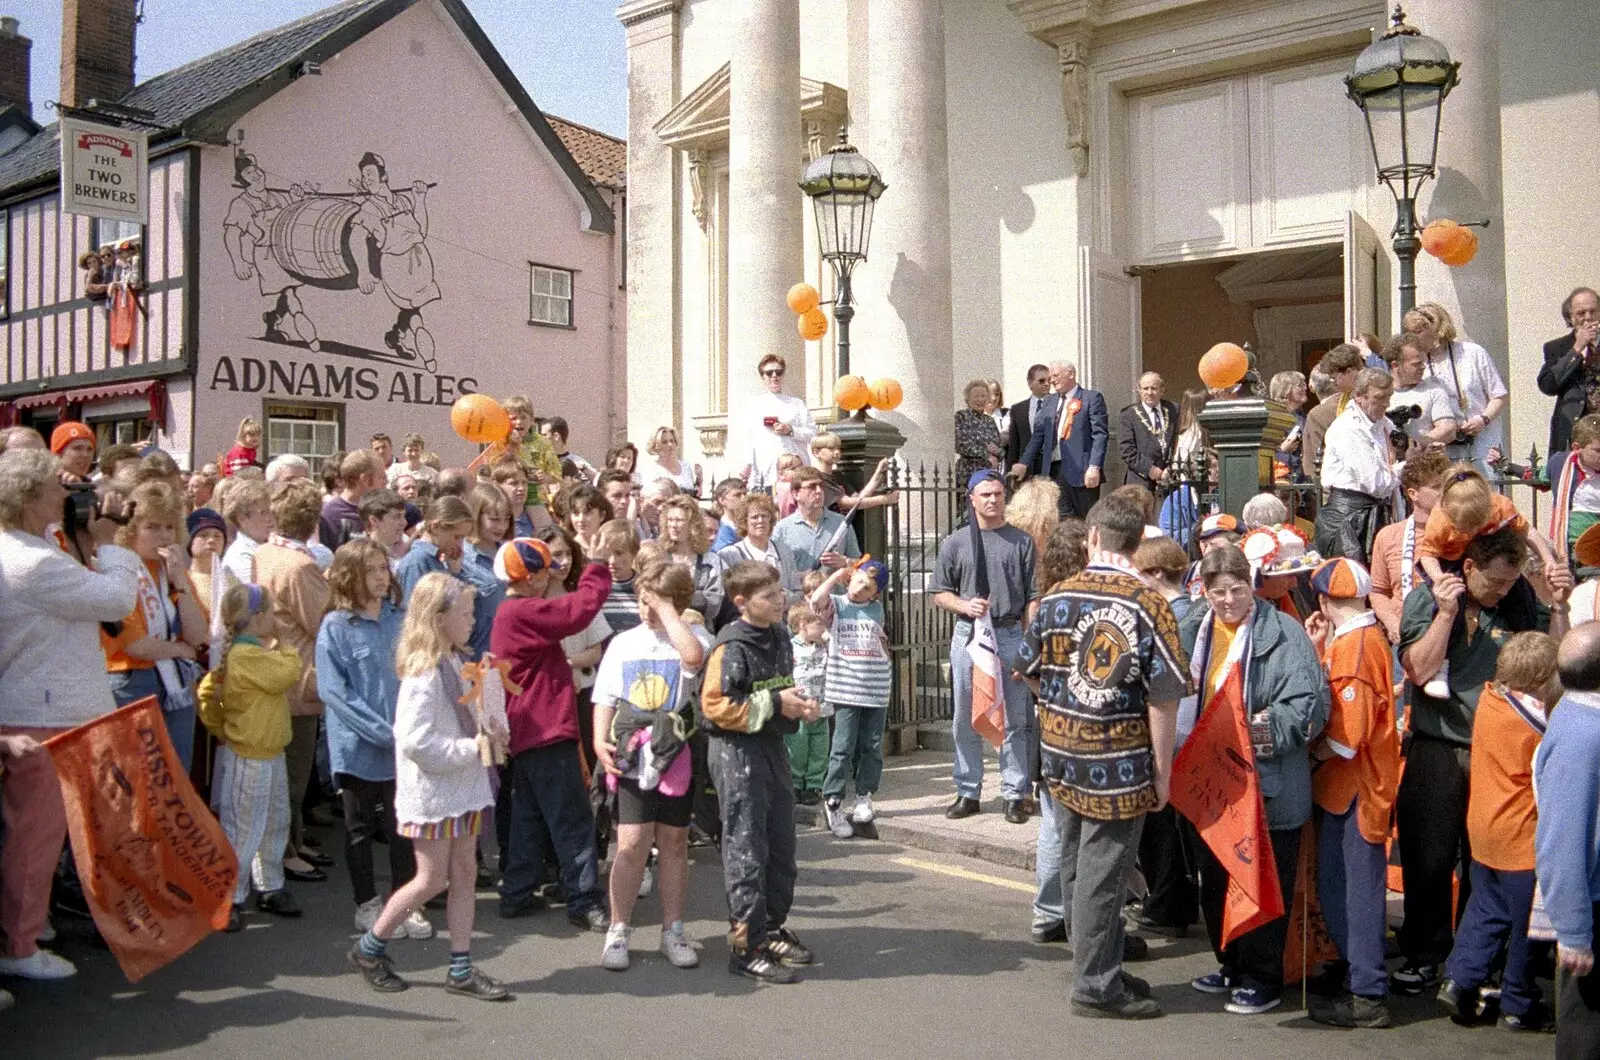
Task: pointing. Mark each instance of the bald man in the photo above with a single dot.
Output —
(1146, 434)
(1567, 840)
(1073, 451)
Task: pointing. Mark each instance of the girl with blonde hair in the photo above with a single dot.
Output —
(441, 788)
(244, 703)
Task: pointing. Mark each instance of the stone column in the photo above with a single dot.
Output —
(765, 160)
(903, 289)
(654, 378)
(1468, 184)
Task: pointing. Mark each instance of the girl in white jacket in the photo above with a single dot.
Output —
(441, 786)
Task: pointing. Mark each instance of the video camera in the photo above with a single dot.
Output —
(1401, 415)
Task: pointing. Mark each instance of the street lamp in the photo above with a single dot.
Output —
(1399, 82)
(844, 187)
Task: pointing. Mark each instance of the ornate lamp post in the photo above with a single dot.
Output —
(1399, 82)
(844, 187)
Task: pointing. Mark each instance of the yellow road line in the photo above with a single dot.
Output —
(965, 874)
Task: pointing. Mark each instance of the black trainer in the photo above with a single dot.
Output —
(759, 965)
(514, 909)
(1126, 1007)
(783, 945)
(593, 918)
(1413, 978)
(278, 903)
(1459, 1002)
(379, 971)
(962, 807)
(476, 984)
(1352, 1010)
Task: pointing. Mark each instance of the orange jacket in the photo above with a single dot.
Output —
(1361, 728)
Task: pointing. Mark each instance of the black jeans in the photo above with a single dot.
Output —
(1431, 811)
(1578, 1001)
(368, 810)
(1255, 959)
(550, 815)
(1168, 864)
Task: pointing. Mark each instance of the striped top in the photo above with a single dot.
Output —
(858, 673)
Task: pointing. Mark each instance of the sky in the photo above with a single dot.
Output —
(570, 54)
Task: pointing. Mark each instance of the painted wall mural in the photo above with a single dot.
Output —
(372, 236)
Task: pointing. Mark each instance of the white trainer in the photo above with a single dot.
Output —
(838, 821)
(677, 948)
(615, 956)
(47, 935)
(416, 926)
(367, 914)
(863, 813)
(42, 964)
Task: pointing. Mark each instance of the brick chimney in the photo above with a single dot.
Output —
(15, 50)
(96, 50)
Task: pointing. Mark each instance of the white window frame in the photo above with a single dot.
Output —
(308, 429)
(548, 305)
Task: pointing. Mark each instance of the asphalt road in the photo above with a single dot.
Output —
(922, 956)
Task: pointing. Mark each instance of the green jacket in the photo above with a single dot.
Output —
(1284, 679)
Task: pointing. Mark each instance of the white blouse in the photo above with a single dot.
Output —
(1470, 374)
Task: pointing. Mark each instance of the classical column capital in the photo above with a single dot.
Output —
(1073, 53)
(636, 11)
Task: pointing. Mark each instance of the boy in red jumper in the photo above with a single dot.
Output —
(1354, 787)
(549, 800)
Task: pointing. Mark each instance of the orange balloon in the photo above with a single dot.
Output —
(479, 418)
(850, 392)
(884, 394)
(1451, 243)
(1223, 365)
(803, 298)
(813, 324)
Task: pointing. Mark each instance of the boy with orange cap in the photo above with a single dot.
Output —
(73, 442)
(1354, 791)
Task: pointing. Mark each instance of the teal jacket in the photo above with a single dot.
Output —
(1285, 679)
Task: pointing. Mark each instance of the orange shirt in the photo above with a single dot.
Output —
(134, 628)
(1442, 540)
(1501, 814)
(1360, 729)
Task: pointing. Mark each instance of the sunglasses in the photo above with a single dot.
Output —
(772, 373)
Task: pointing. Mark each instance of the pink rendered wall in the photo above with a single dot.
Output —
(415, 93)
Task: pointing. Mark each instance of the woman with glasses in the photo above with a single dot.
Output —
(1285, 701)
(772, 424)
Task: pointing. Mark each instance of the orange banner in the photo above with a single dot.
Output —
(1214, 785)
(1309, 943)
(155, 865)
(988, 698)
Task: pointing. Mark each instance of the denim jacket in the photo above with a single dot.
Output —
(358, 686)
(478, 568)
(1287, 682)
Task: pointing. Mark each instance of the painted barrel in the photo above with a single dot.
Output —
(310, 240)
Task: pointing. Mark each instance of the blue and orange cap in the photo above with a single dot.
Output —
(520, 559)
(1342, 579)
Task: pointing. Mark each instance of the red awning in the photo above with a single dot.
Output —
(155, 389)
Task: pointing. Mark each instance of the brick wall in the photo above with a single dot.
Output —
(96, 50)
(14, 54)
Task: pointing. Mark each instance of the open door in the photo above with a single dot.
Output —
(1368, 306)
(1108, 338)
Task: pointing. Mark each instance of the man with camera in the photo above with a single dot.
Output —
(53, 672)
(1357, 471)
(1420, 408)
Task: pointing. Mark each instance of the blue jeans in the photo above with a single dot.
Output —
(130, 686)
(1055, 869)
(1352, 885)
(550, 813)
(857, 750)
(1019, 750)
(1496, 915)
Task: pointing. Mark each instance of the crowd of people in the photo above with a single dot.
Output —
(682, 662)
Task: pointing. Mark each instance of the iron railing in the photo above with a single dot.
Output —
(932, 503)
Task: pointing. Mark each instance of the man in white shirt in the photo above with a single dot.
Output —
(1436, 425)
(772, 424)
(1357, 471)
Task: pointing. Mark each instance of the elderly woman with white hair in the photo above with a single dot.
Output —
(286, 468)
(54, 677)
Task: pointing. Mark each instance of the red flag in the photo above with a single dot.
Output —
(988, 699)
(155, 865)
(1214, 784)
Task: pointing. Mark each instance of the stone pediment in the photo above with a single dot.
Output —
(700, 119)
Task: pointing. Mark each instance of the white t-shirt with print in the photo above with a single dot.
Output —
(642, 667)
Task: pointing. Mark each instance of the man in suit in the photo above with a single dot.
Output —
(1073, 451)
(1571, 372)
(1146, 434)
(1023, 416)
